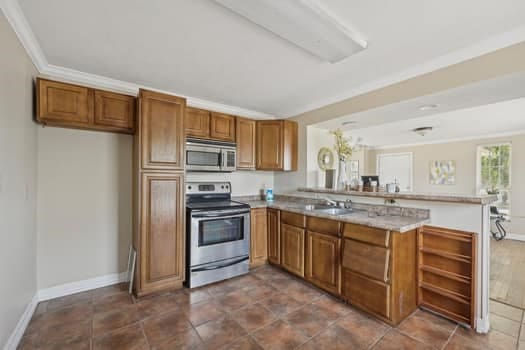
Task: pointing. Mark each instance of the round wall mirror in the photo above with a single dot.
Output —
(325, 158)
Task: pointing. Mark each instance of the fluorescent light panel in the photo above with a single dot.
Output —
(303, 23)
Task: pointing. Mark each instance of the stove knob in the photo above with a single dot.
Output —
(222, 187)
(189, 187)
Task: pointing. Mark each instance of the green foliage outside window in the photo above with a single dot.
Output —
(495, 168)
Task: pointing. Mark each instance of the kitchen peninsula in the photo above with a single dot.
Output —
(450, 249)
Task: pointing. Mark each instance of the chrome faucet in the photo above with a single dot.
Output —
(330, 202)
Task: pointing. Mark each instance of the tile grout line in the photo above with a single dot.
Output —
(144, 335)
(450, 337)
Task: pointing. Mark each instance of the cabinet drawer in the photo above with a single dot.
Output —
(366, 259)
(323, 225)
(367, 234)
(293, 219)
(369, 294)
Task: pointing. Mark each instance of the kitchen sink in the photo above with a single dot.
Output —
(335, 211)
(316, 207)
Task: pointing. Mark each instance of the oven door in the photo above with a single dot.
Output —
(218, 235)
(203, 158)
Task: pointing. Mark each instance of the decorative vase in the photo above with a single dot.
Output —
(341, 175)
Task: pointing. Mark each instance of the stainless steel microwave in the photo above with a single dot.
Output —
(210, 156)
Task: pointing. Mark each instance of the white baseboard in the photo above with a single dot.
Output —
(81, 286)
(515, 237)
(56, 292)
(18, 332)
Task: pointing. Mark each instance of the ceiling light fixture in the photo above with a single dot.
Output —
(422, 131)
(304, 24)
(428, 107)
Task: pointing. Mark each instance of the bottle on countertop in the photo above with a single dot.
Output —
(268, 193)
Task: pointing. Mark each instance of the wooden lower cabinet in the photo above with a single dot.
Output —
(377, 279)
(446, 274)
(160, 236)
(258, 237)
(292, 249)
(323, 266)
(274, 236)
(369, 294)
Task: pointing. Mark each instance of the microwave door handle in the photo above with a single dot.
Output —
(223, 159)
(216, 267)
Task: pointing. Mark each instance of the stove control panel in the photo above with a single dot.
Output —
(207, 187)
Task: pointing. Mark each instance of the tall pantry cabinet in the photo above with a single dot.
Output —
(158, 196)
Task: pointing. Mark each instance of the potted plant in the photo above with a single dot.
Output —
(344, 151)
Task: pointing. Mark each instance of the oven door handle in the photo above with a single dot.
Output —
(221, 214)
(216, 267)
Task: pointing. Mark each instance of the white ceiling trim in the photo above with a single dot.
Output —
(481, 48)
(451, 140)
(18, 22)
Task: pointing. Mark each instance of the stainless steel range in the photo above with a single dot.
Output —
(217, 234)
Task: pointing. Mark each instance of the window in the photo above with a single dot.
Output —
(353, 170)
(494, 172)
(396, 167)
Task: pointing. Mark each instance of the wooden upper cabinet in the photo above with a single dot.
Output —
(161, 243)
(197, 122)
(258, 237)
(73, 106)
(277, 145)
(63, 104)
(274, 236)
(114, 110)
(245, 143)
(222, 127)
(161, 131)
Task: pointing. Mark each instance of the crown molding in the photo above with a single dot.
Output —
(450, 140)
(21, 27)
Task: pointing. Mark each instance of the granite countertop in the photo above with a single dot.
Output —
(435, 197)
(384, 221)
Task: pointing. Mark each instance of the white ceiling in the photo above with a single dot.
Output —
(497, 119)
(198, 48)
(486, 92)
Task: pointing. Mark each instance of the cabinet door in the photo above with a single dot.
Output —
(114, 110)
(274, 237)
(197, 122)
(161, 131)
(64, 104)
(292, 249)
(161, 251)
(269, 145)
(245, 143)
(322, 261)
(258, 237)
(222, 127)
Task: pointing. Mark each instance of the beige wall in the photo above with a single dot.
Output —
(244, 183)
(18, 173)
(84, 204)
(464, 153)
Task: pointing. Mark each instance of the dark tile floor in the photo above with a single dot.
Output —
(266, 309)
